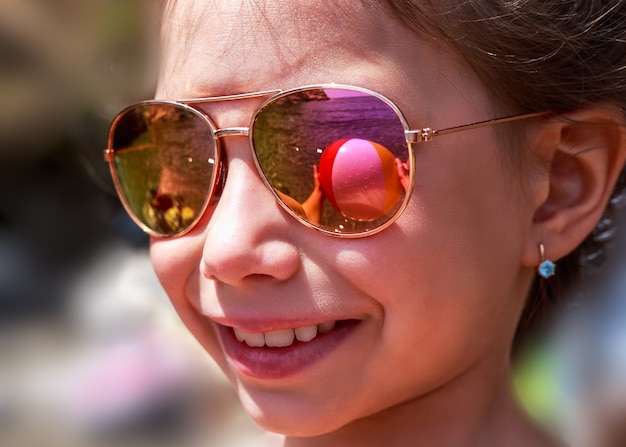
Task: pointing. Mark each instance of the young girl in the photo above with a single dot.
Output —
(333, 228)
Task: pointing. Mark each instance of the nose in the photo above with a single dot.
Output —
(247, 235)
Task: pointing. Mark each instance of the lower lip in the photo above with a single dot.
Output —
(277, 363)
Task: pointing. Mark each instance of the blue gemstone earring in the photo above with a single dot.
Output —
(546, 267)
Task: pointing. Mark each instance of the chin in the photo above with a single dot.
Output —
(292, 419)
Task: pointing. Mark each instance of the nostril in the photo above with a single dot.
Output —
(206, 271)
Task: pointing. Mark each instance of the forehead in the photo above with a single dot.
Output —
(236, 43)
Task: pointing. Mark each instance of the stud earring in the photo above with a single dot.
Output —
(546, 267)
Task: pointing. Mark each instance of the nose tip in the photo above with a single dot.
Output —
(247, 234)
(233, 264)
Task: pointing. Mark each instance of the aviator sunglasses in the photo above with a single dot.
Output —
(337, 158)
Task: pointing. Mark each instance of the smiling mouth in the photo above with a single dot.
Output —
(277, 354)
(284, 337)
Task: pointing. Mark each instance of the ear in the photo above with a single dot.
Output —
(583, 153)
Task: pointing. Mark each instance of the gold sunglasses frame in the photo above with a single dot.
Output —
(412, 136)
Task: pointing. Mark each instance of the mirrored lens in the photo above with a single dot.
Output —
(336, 157)
(164, 163)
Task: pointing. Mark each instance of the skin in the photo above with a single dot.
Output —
(437, 295)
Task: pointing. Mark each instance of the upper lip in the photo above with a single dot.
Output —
(256, 314)
(266, 320)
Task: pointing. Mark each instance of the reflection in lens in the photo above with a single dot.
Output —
(164, 163)
(334, 151)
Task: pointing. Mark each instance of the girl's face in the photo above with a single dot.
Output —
(429, 303)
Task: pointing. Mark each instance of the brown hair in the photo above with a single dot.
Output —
(534, 55)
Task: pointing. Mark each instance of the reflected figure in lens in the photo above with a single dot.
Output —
(402, 170)
(313, 204)
(183, 171)
(311, 208)
(167, 212)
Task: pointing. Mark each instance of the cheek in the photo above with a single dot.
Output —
(173, 261)
(434, 319)
(455, 264)
(176, 260)
(176, 263)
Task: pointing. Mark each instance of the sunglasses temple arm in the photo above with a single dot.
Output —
(427, 134)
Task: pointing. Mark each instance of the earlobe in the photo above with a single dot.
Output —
(584, 165)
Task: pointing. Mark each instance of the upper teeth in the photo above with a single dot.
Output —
(282, 337)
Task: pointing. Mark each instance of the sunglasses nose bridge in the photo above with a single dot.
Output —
(232, 132)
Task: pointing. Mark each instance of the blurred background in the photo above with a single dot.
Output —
(91, 353)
